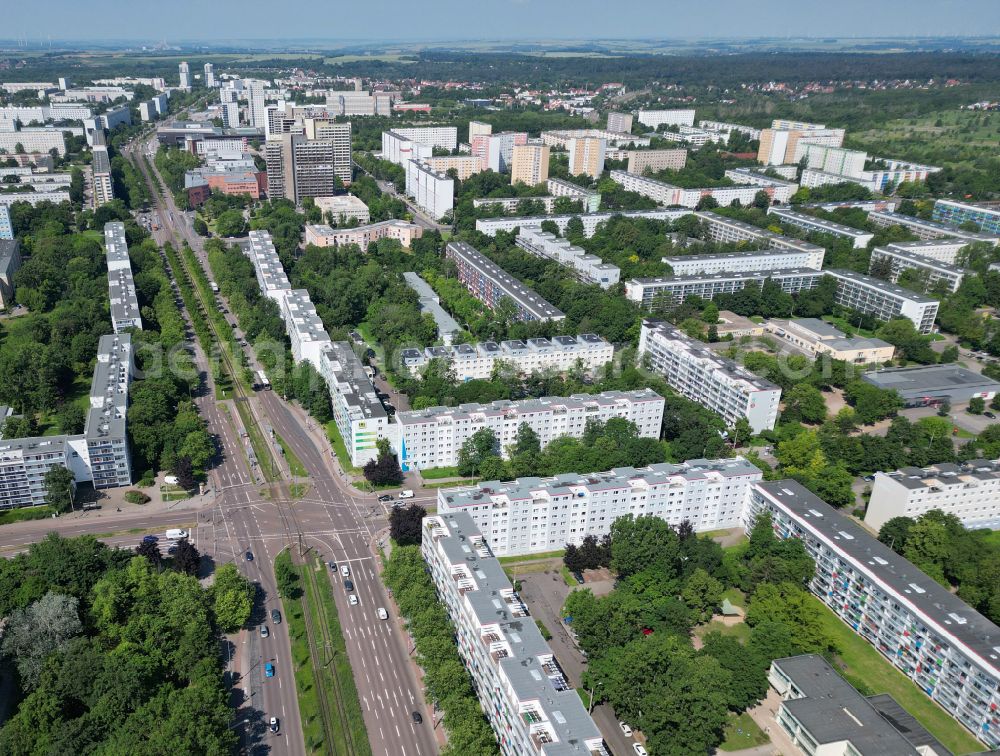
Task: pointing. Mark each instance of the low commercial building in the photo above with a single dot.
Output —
(522, 690)
(342, 208)
(655, 293)
(491, 284)
(932, 271)
(932, 384)
(742, 262)
(121, 285)
(10, 261)
(859, 238)
(737, 326)
(656, 118)
(229, 177)
(822, 713)
(670, 195)
(587, 267)
(949, 650)
(970, 491)
(591, 221)
(883, 300)
(588, 352)
(326, 236)
(701, 375)
(710, 494)
(814, 337)
(956, 213)
(925, 229)
(432, 191)
(434, 436)
(429, 303)
(640, 161)
(776, 189)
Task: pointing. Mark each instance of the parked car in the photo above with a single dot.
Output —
(333, 565)
(269, 670)
(990, 415)
(150, 539)
(383, 614)
(264, 632)
(275, 616)
(626, 730)
(639, 750)
(273, 724)
(417, 718)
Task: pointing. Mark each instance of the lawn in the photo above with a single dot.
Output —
(557, 554)
(868, 670)
(339, 448)
(25, 513)
(740, 631)
(436, 473)
(295, 465)
(742, 732)
(736, 597)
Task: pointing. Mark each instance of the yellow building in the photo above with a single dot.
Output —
(529, 164)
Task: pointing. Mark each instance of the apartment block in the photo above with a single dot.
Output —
(728, 128)
(529, 164)
(640, 161)
(305, 328)
(401, 231)
(587, 267)
(780, 143)
(942, 250)
(271, 277)
(497, 150)
(121, 285)
(360, 417)
(185, 75)
(586, 156)
(670, 195)
(40, 141)
(561, 138)
(432, 437)
(299, 167)
(522, 690)
(933, 271)
(445, 137)
(358, 102)
(933, 637)
(10, 262)
(777, 190)
(656, 118)
(882, 300)
(655, 293)
(693, 136)
(339, 137)
(809, 222)
(479, 128)
(463, 165)
(745, 262)
(532, 515)
(591, 221)
(33, 198)
(716, 383)
(430, 304)
(101, 171)
(619, 122)
(398, 149)
(814, 337)
(925, 229)
(588, 198)
(432, 191)
(829, 159)
(491, 284)
(956, 213)
(343, 207)
(587, 352)
(6, 229)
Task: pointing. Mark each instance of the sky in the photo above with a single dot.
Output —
(395, 20)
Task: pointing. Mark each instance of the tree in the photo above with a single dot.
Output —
(151, 551)
(895, 533)
(702, 593)
(527, 441)
(494, 468)
(44, 627)
(384, 469)
(59, 486)
(477, 447)
(746, 665)
(977, 405)
(186, 557)
(871, 403)
(184, 472)
(230, 223)
(287, 578)
(640, 543)
(928, 546)
(232, 596)
(198, 447)
(949, 354)
(405, 524)
(806, 402)
(791, 605)
(762, 200)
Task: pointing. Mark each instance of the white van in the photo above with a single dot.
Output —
(406, 494)
(175, 534)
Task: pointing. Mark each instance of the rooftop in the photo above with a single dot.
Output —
(930, 378)
(821, 223)
(883, 286)
(946, 474)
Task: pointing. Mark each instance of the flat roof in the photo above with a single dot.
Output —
(826, 225)
(883, 286)
(929, 378)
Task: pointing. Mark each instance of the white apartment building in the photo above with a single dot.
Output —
(587, 351)
(256, 105)
(445, 137)
(858, 237)
(561, 138)
(970, 491)
(531, 515)
(587, 267)
(271, 277)
(401, 231)
(185, 75)
(33, 198)
(656, 293)
(620, 122)
(778, 190)
(780, 143)
(882, 300)
(479, 128)
(209, 75)
(432, 192)
(743, 262)
(432, 437)
(305, 328)
(360, 417)
(670, 195)
(640, 161)
(590, 199)
(121, 286)
(838, 160)
(40, 141)
(6, 229)
(522, 690)
(942, 250)
(693, 136)
(430, 304)
(922, 229)
(701, 375)
(935, 271)
(949, 650)
(399, 149)
(656, 118)
(591, 221)
(728, 128)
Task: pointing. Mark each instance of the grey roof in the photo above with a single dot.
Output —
(879, 285)
(753, 275)
(429, 303)
(352, 383)
(793, 216)
(945, 474)
(948, 612)
(831, 710)
(905, 723)
(109, 388)
(929, 378)
(9, 251)
(819, 327)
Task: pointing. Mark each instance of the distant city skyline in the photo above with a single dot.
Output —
(195, 20)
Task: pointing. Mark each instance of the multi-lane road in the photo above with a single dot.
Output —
(332, 519)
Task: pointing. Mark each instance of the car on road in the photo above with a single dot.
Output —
(382, 613)
(990, 415)
(626, 730)
(345, 570)
(273, 724)
(275, 616)
(249, 556)
(333, 565)
(352, 600)
(269, 670)
(348, 586)
(417, 718)
(264, 632)
(639, 750)
(385, 497)
(172, 550)
(150, 539)
(406, 494)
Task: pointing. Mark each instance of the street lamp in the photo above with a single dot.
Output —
(590, 708)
